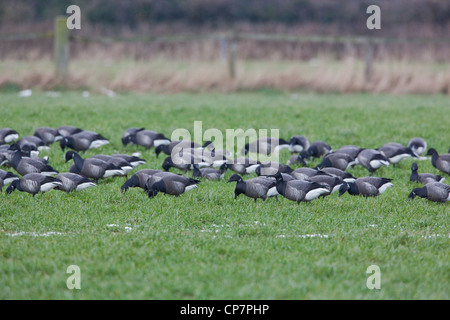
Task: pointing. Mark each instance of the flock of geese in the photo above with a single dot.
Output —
(206, 162)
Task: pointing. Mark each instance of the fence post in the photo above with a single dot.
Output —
(368, 60)
(61, 47)
(232, 55)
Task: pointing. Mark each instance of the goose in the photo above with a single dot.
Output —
(215, 158)
(8, 177)
(298, 144)
(440, 162)
(272, 167)
(243, 165)
(93, 168)
(33, 142)
(209, 145)
(351, 150)
(176, 147)
(265, 146)
(185, 161)
(435, 191)
(366, 186)
(25, 165)
(346, 176)
(48, 135)
(300, 190)
(121, 163)
(34, 183)
(8, 135)
(396, 152)
(417, 145)
(423, 177)
(144, 138)
(209, 173)
(296, 158)
(372, 160)
(255, 188)
(333, 182)
(133, 160)
(171, 184)
(337, 160)
(317, 149)
(139, 179)
(82, 141)
(73, 182)
(65, 131)
(306, 173)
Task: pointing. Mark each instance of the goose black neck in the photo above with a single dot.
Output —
(78, 160)
(353, 189)
(281, 186)
(414, 176)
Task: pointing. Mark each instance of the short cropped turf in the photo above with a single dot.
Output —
(206, 245)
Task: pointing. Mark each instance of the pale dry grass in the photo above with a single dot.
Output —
(322, 74)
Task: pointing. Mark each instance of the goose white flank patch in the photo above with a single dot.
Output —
(8, 135)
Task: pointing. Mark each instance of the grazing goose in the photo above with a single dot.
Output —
(25, 165)
(337, 160)
(243, 165)
(133, 160)
(73, 182)
(423, 177)
(170, 183)
(296, 158)
(317, 149)
(372, 160)
(396, 152)
(65, 131)
(298, 144)
(82, 141)
(351, 150)
(435, 191)
(34, 183)
(124, 165)
(306, 173)
(48, 135)
(265, 146)
(32, 142)
(7, 177)
(333, 183)
(144, 138)
(440, 162)
(176, 147)
(366, 186)
(300, 190)
(215, 158)
(139, 179)
(417, 145)
(185, 161)
(8, 135)
(209, 173)
(93, 168)
(255, 188)
(272, 167)
(346, 176)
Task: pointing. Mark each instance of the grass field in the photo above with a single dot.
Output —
(206, 245)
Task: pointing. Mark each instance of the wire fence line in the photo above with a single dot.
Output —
(228, 42)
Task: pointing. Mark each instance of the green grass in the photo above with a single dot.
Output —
(206, 245)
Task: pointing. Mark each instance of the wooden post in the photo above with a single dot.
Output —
(61, 47)
(232, 56)
(369, 57)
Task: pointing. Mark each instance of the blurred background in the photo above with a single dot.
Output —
(227, 45)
